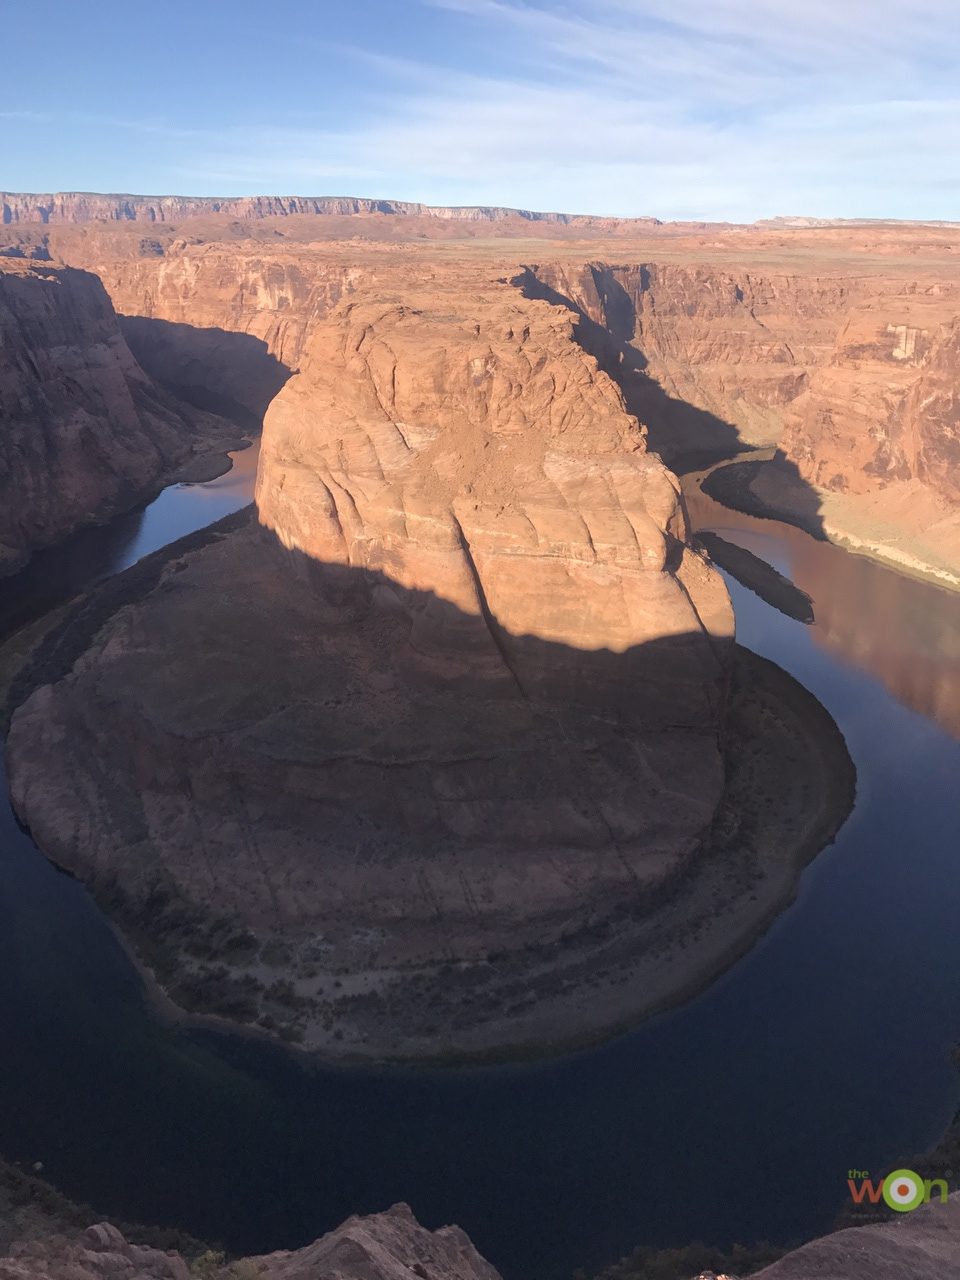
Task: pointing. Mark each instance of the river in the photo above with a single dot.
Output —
(734, 1117)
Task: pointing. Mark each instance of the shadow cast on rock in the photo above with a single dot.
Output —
(686, 437)
(771, 489)
(668, 419)
(229, 373)
(478, 824)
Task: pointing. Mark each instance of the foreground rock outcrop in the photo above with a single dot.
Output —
(84, 432)
(923, 1245)
(453, 752)
(383, 1246)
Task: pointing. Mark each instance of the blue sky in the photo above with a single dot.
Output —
(712, 109)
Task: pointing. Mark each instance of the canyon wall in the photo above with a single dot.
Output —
(457, 725)
(709, 357)
(84, 432)
(228, 321)
(851, 372)
(855, 378)
(84, 206)
(885, 407)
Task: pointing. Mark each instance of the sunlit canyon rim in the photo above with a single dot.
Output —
(447, 749)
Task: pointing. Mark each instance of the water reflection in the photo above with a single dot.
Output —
(903, 631)
(81, 561)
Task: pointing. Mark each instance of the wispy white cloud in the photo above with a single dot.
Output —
(684, 108)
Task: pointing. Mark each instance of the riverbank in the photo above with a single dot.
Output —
(789, 786)
(209, 462)
(903, 526)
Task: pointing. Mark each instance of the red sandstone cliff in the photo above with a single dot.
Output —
(459, 731)
(454, 436)
(84, 432)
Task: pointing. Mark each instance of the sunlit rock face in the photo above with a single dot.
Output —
(455, 438)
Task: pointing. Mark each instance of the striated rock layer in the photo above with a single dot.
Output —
(456, 439)
(837, 344)
(85, 206)
(84, 432)
(855, 378)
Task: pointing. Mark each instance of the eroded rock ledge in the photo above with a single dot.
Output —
(455, 753)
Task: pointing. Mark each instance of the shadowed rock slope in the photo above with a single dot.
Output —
(84, 432)
(923, 1245)
(453, 752)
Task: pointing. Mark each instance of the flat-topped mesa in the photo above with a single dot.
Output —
(84, 432)
(456, 440)
(88, 206)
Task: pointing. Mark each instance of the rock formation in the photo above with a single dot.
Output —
(923, 1245)
(458, 441)
(383, 1246)
(817, 340)
(84, 206)
(448, 741)
(84, 432)
(708, 357)
(855, 379)
(835, 342)
(903, 422)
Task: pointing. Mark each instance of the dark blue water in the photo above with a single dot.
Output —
(77, 564)
(735, 1117)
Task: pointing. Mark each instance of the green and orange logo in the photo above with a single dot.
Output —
(903, 1190)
